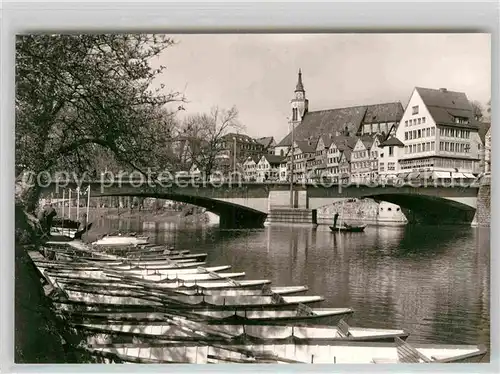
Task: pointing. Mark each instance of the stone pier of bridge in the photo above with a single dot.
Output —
(482, 218)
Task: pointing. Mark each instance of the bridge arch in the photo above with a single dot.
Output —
(424, 208)
(232, 215)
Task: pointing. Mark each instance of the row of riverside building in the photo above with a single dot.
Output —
(435, 134)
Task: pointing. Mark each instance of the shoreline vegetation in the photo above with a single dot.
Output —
(186, 214)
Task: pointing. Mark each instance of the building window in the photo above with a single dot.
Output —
(432, 146)
(419, 121)
(414, 148)
(419, 134)
(428, 132)
(381, 166)
(406, 135)
(391, 151)
(415, 109)
(406, 123)
(391, 166)
(433, 131)
(423, 119)
(414, 134)
(294, 114)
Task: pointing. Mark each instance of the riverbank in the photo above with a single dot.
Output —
(142, 215)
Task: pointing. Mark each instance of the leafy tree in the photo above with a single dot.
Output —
(85, 98)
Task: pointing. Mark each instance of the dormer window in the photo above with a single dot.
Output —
(461, 120)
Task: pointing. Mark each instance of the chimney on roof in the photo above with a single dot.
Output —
(443, 90)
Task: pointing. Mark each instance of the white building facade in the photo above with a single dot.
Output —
(438, 133)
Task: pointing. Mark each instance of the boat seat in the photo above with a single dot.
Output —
(343, 329)
(276, 298)
(304, 310)
(408, 354)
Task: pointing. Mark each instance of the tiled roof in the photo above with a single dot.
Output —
(331, 121)
(254, 158)
(345, 142)
(380, 138)
(389, 112)
(444, 105)
(367, 141)
(327, 140)
(239, 137)
(347, 152)
(392, 141)
(266, 141)
(483, 130)
(306, 146)
(274, 159)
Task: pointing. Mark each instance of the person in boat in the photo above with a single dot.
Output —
(335, 218)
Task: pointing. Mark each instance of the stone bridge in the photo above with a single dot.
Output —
(246, 204)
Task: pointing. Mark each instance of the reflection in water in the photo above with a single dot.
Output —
(433, 282)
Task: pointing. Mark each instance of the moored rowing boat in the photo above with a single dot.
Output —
(301, 314)
(110, 332)
(340, 352)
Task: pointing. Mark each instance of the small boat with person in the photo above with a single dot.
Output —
(344, 227)
(348, 228)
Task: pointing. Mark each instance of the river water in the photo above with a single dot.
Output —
(431, 281)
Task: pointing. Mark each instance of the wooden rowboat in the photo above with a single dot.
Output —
(122, 240)
(348, 228)
(300, 314)
(105, 299)
(338, 352)
(112, 333)
(113, 286)
(159, 259)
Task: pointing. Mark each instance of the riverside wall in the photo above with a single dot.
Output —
(365, 211)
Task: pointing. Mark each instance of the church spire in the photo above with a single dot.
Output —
(300, 86)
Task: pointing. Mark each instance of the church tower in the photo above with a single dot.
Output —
(300, 105)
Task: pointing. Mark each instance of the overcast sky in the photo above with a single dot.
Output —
(258, 72)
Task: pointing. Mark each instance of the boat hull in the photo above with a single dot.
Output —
(158, 332)
(348, 229)
(327, 316)
(336, 353)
